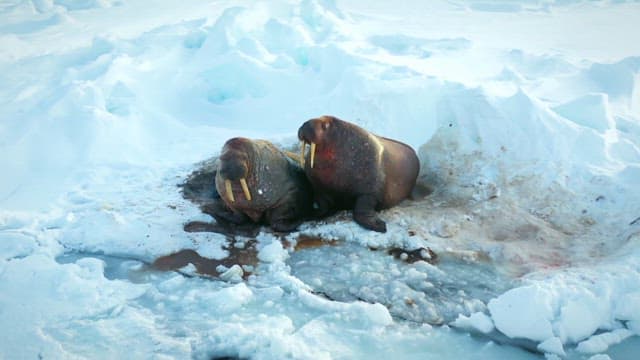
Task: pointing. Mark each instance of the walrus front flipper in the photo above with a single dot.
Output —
(223, 227)
(285, 226)
(223, 214)
(364, 213)
(323, 206)
(284, 218)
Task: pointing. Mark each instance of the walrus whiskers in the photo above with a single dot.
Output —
(245, 189)
(229, 190)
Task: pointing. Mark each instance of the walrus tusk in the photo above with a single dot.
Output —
(303, 146)
(227, 186)
(245, 188)
(313, 153)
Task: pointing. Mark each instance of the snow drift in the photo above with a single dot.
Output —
(532, 155)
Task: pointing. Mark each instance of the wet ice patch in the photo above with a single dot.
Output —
(418, 292)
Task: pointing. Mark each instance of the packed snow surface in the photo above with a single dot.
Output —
(525, 116)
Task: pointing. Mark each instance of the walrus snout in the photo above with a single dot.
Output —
(312, 132)
(233, 167)
(231, 170)
(306, 134)
(257, 183)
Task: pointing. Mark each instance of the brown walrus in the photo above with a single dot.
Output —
(258, 182)
(350, 168)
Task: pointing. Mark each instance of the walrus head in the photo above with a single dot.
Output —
(314, 132)
(234, 166)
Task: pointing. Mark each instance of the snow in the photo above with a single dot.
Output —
(273, 252)
(232, 274)
(525, 116)
(600, 343)
(552, 346)
(600, 357)
(535, 313)
(477, 321)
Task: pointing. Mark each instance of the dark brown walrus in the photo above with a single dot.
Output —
(258, 182)
(350, 168)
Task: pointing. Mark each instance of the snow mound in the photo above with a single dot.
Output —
(529, 144)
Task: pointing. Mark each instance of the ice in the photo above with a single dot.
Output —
(272, 252)
(600, 357)
(534, 309)
(476, 321)
(600, 343)
(524, 234)
(233, 274)
(63, 292)
(552, 346)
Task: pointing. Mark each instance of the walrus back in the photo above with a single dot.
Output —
(401, 167)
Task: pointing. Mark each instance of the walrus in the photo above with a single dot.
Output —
(351, 168)
(259, 183)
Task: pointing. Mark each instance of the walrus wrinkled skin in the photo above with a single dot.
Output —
(351, 168)
(259, 183)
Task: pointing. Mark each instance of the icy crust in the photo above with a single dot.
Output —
(563, 208)
(573, 305)
(418, 292)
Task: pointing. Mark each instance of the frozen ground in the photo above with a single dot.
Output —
(526, 117)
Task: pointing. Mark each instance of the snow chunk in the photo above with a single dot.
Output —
(377, 314)
(534, 310)
(189, 269)
(600, 357)
(552, 345)
(477, 321)
(232, 298)
(634, 326)
(370, 314)
(582, 315)
(233, 274)
(274, 252)
(600, 343)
